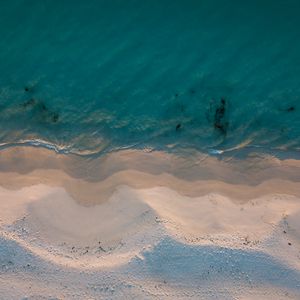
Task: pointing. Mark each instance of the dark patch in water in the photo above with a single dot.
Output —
(55, 117)
(29, 103)
(51, 116)
(178, 126)
(192, 91)
(40, 108)
(290, 109)
(33, 103)
(28, 88)
(220, 122)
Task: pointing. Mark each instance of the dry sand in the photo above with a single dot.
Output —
(136, 225)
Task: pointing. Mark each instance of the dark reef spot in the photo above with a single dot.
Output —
(178, 126)
(42, 106)
(29, 103)
(192, 91)
(291, 108)
(55, 117)
(220, 122)
(41, 111)
(176, 95)
(33, 103)
(28, 88)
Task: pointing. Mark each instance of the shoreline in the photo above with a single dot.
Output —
(92, 182)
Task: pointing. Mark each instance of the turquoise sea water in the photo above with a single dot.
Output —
(94, 76)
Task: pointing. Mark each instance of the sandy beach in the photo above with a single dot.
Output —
(149, 150)
(136, 225)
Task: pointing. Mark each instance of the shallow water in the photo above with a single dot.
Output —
(94, 76)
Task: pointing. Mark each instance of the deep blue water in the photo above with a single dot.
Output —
(94, 76)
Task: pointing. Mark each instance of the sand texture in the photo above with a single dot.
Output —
(136, 225)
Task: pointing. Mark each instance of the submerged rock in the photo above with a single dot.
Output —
(29, 103)
(41, 111)
(291, 108)
(220, 122)
(55, 117)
